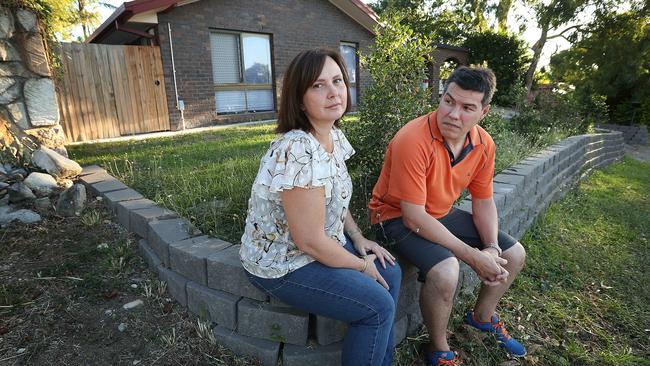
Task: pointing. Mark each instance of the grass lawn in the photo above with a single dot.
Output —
(207, 177)
(584, 296)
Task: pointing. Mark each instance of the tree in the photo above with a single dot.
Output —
(503, 9)
(440, 21)
(551, 16)
(397, 64)
(506, 55)
(612, 60)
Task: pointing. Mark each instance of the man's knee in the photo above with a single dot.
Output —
(443, 278)
(516, 256)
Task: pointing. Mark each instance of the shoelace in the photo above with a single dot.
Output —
(454, 362)
(501, 331)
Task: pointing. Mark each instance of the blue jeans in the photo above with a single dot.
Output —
(347, 295)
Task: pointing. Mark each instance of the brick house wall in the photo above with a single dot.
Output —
(293, 26)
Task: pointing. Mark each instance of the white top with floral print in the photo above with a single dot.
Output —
(295, 159)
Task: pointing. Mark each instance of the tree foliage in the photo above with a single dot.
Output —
(440, 21)
(61, 17)
(507, 56)
(612, 60)
(397, 63)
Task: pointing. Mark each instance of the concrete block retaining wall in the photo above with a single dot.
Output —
(204, 274)
(633, 135)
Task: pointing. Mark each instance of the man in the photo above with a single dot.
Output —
(428, 164)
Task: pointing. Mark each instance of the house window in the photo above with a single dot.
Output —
(241, 66)
(349, 53)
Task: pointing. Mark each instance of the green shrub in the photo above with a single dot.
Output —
(560, 115)
(645, 112)
(507, 56)
(397, 63)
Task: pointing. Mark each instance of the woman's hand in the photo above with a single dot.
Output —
(364, 246)
(372, 272)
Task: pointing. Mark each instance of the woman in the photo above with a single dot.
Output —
(300, 243)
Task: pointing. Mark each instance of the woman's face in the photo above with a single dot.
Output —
(326, 99)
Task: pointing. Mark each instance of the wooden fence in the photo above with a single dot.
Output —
(111, 91)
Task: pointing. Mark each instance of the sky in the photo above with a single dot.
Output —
(531, 34)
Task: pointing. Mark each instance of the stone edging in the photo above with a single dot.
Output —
(633, 135)
(205, 275)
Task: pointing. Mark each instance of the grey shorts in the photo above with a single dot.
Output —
(425, 254)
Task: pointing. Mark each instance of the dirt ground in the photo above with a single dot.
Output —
(63, 284)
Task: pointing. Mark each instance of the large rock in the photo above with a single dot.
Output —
(33, 53)
(52, 137)
(8, 214)
(9, 90)
(6, 23)
(72, 201)
(8, 52)
(19, 192)
(42, 106)
(41, 184)
(27, 20)
(13, 69)
(55, 164)
(19, 114)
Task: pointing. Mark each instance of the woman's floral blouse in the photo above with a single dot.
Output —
(295, 159)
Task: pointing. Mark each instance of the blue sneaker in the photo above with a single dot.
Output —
(497, 328)
(441, 359)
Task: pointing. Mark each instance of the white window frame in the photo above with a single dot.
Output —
(242, 86)
(353, 85)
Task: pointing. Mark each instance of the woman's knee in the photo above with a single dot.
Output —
(392, 274)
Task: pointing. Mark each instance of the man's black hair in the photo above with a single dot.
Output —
(479, 79)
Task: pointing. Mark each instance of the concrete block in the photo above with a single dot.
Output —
(123, 210)
(515, 180)
(218, 306)
(148, 255)
(175, 284)
(112, 198)
(465, 205)
(261, 320)
(162, 233)
(401, 326)
(312, 355)
(408, 269)
(273, 301)
(139, 218)
(225, 273)
(499, 201)
(108, 185)
(407, 295)
(92, 169)
(266, 352)
(92, 178)
(187, 257)
(329, 331)
(415, 322)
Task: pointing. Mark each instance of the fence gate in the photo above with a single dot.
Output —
(111, 91)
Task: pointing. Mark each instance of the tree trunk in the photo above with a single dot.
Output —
(502, 15)
(537, 52)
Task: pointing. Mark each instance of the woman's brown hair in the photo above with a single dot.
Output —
(302, 72)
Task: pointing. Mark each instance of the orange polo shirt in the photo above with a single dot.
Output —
(418, 169)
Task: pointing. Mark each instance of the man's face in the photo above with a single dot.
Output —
(459, 111)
